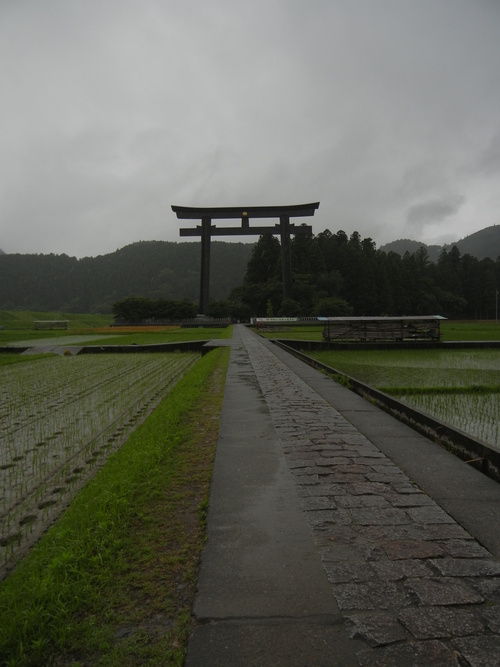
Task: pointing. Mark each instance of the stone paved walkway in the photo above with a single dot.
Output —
(410, 582)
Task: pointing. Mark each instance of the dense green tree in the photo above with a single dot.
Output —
(331, 307)
(140, 309)
(290, 308)
(265, 261)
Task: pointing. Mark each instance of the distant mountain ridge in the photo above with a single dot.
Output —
(162, 269)
(481, 244)
(92, 284)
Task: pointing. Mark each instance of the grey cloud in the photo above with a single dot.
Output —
(113, 110)
(433, 211)
(489, 160)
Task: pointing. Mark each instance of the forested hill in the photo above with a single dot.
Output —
(485, 243)
(148, 268)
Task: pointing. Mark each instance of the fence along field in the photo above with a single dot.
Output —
(61, 417)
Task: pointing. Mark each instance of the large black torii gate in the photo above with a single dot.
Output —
(206, 230)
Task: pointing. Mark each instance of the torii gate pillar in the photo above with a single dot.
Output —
(206, 224)
(206, 230)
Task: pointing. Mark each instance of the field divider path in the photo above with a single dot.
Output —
(409, 584)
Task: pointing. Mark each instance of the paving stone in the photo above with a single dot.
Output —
(369, 595)
(412, 500)
(438, 622)
(404, 549)
(341, 553)
(489, 588)
(445, 532)
(374, 553)
(365, 488)
(356, 438)
(353, 468)
(324, 489)
(378, 516)
(384, 467)
(419, 654)
(388, 550)
(349, 501)
(483, 651)
(334, 452)
(319, 517)
(318, 503)
(464, 549)
(491, 616)
(428, 515)
(342, 478)
(300, 463)
(332, 461)
(377, 629)
(468, 567)
(379, 534)
(312, 471)
(298, 453)
(402, 569)
(344, 572)
(406, 487)
(339, 535)
(373, 454)
(443, 591)
(390, 477)
(325, 441)
(307, 479)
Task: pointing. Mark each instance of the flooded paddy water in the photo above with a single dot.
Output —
(459, 387)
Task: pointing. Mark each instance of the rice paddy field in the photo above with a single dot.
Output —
(60, 419)
(459, 387)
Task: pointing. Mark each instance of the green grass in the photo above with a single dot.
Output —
(452, 330)
(23, 319)
(7, 359)
(306, 332)
(111, 336)
(165, 336)
(112, 582)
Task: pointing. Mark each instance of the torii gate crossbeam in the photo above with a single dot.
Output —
(206, 230)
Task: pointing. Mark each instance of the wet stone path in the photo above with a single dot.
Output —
(410, 581)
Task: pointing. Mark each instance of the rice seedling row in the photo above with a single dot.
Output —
(474, 413)
(458, 387)
(62, 418)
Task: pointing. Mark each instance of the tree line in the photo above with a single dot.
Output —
(335, 275)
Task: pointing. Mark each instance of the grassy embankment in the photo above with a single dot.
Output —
(112, 582)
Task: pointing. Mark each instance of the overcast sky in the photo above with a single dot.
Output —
(387, 112)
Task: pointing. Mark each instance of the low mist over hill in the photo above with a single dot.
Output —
(485, 243)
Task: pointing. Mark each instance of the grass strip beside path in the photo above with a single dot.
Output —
(112, 582)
